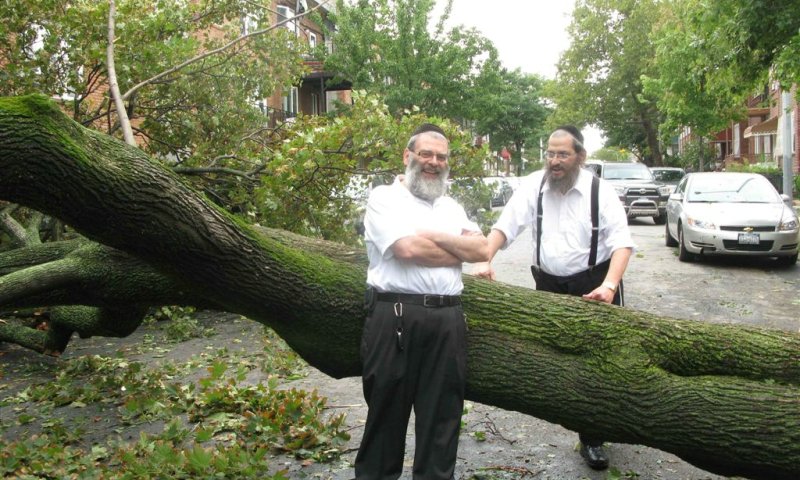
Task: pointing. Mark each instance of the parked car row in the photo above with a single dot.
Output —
(705, 214)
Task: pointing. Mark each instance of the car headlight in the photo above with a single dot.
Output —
(664, 191)
(620, 190)
(788, 225)
(701, 224)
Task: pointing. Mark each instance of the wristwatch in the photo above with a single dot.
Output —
(611, 286)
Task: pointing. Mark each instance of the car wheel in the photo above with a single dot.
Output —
(787, 261)
(683, 254)
(669, 240)
(661, 219)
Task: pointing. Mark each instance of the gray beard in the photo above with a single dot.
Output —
(565, 183)
(421, 187)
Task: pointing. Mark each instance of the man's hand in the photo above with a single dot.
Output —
(600, 294)
(483, 270)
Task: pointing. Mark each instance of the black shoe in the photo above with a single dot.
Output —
(595, 457)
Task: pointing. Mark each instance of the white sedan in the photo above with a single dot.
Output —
(730, 213)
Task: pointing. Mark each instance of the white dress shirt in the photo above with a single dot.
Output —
(566, 223)
(393, 212)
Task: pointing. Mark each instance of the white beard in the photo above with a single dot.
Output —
(424, 188)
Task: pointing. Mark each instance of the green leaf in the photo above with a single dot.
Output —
(199, 459)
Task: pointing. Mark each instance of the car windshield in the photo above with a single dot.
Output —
(732, 189)
(635, 171)
(669, 176)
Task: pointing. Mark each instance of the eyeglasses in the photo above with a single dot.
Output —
(559, 155)
(427, 155)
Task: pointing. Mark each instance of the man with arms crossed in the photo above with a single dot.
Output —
(557, 203)
(413, 347)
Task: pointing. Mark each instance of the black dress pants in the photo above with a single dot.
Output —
(414, 357)
(577, 285)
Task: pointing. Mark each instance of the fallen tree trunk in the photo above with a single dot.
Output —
(725, 398)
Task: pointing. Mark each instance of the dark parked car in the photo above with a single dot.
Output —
(640, 193)
(668, 175)
(501, 190)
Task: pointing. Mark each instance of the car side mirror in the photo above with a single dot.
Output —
(677, 197)
(786, 200)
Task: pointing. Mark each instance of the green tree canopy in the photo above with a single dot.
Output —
(193, 114)
(515, 113)
(599, 75)
(388, 47)
(612, 154)
(711, 56)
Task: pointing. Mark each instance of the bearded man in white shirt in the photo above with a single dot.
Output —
(413, 347)
(581, 239)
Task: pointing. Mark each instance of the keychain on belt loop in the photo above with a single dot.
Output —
(398, 314)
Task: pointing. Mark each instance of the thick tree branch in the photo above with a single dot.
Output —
(12, 227)
(86, 273)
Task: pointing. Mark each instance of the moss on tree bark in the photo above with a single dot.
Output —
(725, 398)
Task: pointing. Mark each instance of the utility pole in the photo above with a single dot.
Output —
(786, 132)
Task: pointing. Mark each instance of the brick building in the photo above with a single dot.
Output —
(758, 138)
(315, 93)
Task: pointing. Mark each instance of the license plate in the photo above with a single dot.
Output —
(749, 238)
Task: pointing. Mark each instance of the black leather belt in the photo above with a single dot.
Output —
(420, 299)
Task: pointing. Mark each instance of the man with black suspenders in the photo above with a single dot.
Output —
(577, 219)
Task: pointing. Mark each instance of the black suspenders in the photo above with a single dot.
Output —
(595, 221)
(539, 222)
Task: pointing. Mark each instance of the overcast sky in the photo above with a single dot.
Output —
(528, 34)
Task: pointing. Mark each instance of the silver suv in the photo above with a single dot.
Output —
(640, 193)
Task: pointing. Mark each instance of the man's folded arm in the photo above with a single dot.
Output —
(423, 251)
(470, 246)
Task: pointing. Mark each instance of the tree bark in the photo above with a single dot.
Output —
(725, 398)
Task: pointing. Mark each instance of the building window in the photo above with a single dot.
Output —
(249, 24)
(285, 12)
(330, 101)
(737, 144)
(312, 40)
(315, 104)
(291, 102)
